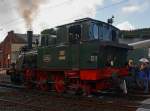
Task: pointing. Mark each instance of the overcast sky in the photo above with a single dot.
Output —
(129, 14)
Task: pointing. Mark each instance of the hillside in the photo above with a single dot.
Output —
(138, 33)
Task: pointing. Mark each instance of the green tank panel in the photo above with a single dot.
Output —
(87, 55)
(62, 35)
(53, 57)
(98, 55)
(73, 57)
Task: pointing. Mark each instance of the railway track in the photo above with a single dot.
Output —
(18, 106)
(80, 105)
(21, 99)
(45, 101)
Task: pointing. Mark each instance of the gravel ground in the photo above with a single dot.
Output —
(40, 101)
(24, 100)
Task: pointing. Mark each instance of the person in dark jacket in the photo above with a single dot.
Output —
(144, 67)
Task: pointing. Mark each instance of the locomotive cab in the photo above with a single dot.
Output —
(88, 30)
(82, 30)
(83, 44)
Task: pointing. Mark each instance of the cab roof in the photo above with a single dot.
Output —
(85, 20)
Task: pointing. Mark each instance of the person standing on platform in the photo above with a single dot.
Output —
(144, 67)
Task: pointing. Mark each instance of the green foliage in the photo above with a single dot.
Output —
(138, 33)
(49, 31)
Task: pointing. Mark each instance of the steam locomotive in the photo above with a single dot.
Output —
(82, 56)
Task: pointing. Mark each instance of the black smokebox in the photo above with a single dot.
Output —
(29, 37)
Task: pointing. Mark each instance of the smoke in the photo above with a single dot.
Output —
(29, 9)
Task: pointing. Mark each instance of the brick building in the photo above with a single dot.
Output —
(9, 48)
(1, 55)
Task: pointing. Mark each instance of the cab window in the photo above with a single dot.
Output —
(100, 32)
(114, 35)
(106, 33)
(74, 33)
(93, 31)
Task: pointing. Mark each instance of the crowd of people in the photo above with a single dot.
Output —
(140, 73)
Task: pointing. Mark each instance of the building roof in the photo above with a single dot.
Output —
(17, 38)
(131, 40)
(20, 38)
(1, 45)
(141, 44)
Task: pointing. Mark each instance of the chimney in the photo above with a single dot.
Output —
(11, 33)
(29, 39)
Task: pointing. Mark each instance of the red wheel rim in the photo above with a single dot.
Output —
(59, 84)
(42, 81)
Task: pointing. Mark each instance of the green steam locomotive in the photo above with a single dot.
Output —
(82, 56)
